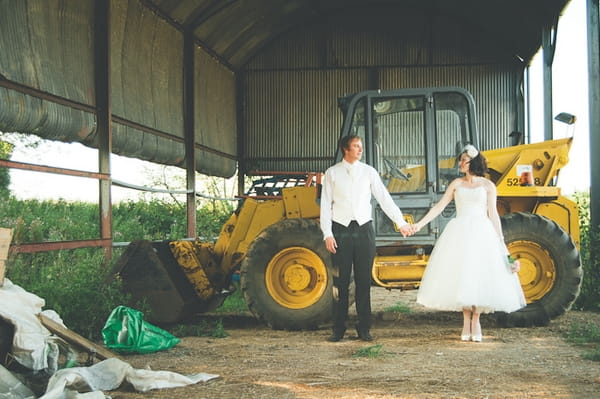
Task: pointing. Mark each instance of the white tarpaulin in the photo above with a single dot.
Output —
(36, 348)
(33, 345)
(109, 374)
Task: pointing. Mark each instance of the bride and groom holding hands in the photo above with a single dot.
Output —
(466, 271)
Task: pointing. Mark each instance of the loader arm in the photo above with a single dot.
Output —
(544, 160)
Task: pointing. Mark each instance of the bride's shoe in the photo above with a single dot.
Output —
(465, 335)
(478, 336)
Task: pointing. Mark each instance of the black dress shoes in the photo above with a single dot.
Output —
(364, 335)
(335, 337)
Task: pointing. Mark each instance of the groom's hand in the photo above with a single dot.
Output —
(407, 230)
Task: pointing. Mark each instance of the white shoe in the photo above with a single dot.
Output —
(465, 337)
(477, 338)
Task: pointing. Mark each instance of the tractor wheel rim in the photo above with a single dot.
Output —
(538, 271)
(296, 277)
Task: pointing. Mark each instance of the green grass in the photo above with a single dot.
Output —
(234, 303)
(206, 328)
(398, 308)
(369, 351)
(588, 335)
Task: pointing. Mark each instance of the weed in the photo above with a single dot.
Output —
(369, 351)
(205, 328)
(586, 334)
(398, 308)
(589, 298)
(234, 303)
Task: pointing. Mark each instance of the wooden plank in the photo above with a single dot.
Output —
(5, 238)
(2, 271)
(76, 339)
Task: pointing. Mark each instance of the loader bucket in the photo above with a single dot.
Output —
(151, 274)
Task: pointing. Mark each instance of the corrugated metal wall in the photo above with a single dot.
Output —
(49, 46)
(147, 87)
(215, 115)
(492, 86)
(291, 120)
(146, 82)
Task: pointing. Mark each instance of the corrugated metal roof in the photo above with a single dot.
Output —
(236, 30)
(49, 48)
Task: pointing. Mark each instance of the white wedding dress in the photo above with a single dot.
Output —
(468, 266)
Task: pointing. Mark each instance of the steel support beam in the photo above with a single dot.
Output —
(188, 130)
(103, 116)
(241, 142)
(51, 169)
(593, 30)
(58, 246)
(548, 50)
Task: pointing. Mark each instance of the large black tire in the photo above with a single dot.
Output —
(551, 271)
(286, 276)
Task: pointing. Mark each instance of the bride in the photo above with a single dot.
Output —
(468, 269)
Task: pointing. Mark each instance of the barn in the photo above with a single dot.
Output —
(225, 86)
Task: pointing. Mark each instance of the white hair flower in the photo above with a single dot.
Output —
(471, 151)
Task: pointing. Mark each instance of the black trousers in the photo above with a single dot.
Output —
(355, 252)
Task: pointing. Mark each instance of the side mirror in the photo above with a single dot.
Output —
(565, 117)
(516, 138)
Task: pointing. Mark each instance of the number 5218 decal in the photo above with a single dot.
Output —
(515, 181)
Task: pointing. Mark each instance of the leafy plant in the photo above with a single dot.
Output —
(369, 351)
(586, 334)
(589, 297)
(6, 150)
(73, 283)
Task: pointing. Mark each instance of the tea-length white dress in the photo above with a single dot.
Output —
(468, 266)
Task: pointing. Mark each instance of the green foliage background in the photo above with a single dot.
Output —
(6, 150)
(78, 284)
(589, 298)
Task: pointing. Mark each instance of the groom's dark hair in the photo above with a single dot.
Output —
(345, 141)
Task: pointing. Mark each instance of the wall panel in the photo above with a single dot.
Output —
(292, 86)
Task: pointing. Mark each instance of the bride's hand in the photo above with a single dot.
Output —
(515, 267)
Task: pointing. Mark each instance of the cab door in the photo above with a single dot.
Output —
(399, 137)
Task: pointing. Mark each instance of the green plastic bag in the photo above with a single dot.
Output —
(125, 331)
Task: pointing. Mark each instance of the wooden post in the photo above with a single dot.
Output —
(5, 239)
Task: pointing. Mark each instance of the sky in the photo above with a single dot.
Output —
(569, 91)
(570, 94)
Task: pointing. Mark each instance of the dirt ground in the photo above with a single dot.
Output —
(421, 356)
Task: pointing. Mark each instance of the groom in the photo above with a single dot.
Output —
(349, 234)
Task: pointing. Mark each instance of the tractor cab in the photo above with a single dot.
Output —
(412, 137)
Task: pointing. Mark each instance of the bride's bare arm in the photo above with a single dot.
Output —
(492, 210)
(439, 207)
